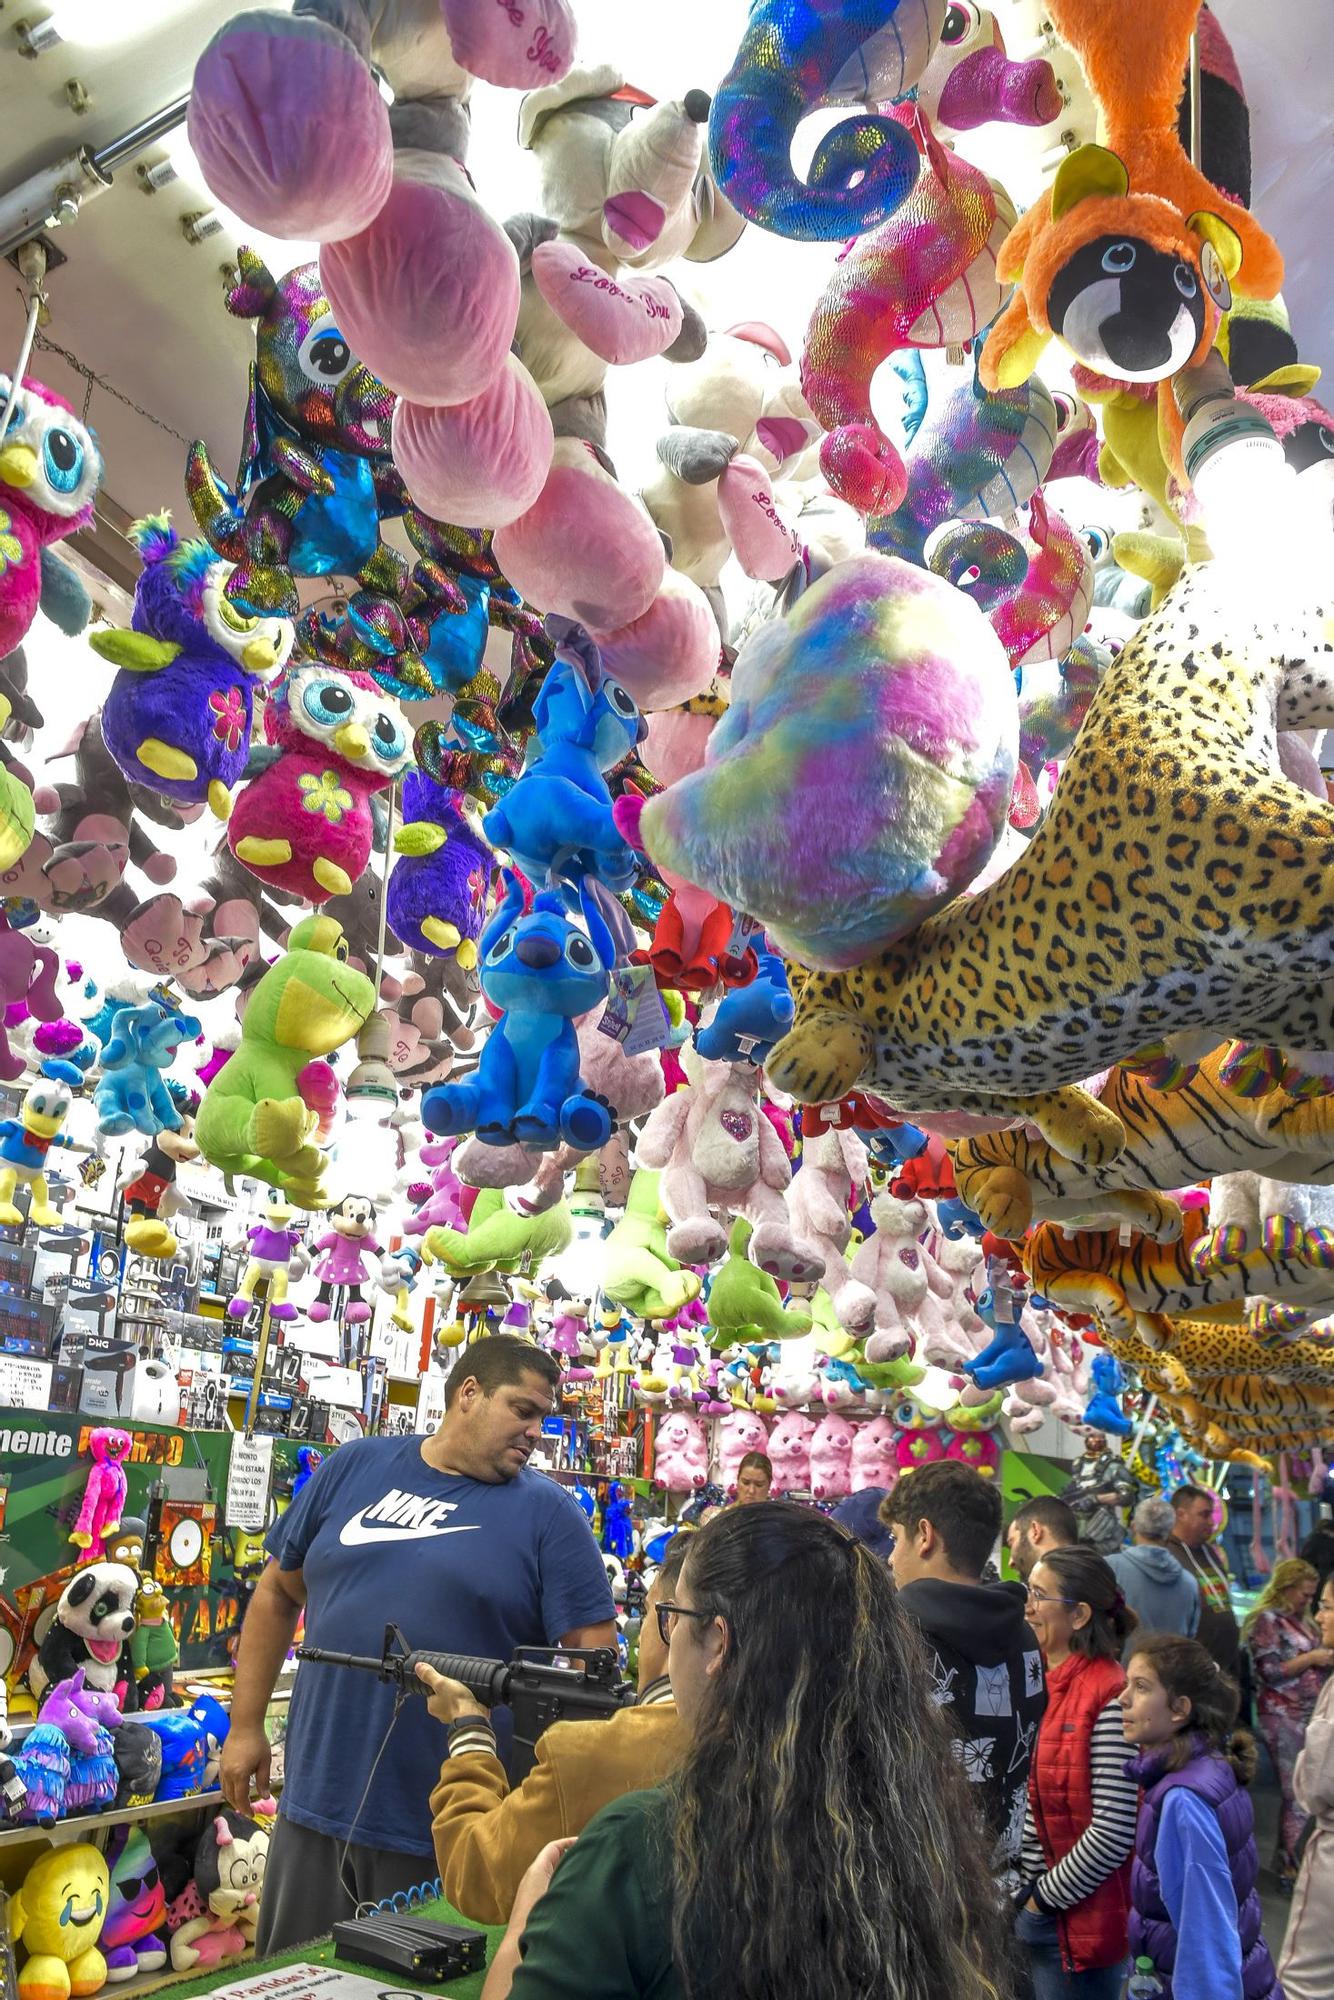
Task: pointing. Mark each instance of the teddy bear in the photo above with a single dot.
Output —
(891, 1265)
(789, 1450)
(715, 1148)
(680, 1454)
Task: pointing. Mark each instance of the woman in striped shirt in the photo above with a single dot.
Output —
(1080, 1826)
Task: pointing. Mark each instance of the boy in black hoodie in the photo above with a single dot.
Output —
(983, 1656)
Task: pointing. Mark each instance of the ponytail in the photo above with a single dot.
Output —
(1187, 1672)
(1086, 1579)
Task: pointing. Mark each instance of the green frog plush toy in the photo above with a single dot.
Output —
(261, 1112)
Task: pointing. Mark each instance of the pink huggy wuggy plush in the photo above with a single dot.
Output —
(104, 1494)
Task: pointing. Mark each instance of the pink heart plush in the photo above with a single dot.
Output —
(585, 549)
(483, 462)
(622, 319)
(670, 654)
(515, 44)
(762, 542)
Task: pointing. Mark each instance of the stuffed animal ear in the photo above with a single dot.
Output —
(1220, 255)
(134, 650)
(1089, 170)
(599, 935)
(254, 290)
(509, 907)
(222, 1831)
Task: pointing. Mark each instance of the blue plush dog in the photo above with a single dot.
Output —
(132, 1095)
(557, 818)
(545, 973)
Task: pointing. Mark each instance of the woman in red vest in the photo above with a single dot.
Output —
(1080, 1826)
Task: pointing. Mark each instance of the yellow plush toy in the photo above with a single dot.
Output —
(57, 1915)
(1177, 883)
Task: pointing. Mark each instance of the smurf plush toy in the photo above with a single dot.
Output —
(24, 1144)
(545, 973)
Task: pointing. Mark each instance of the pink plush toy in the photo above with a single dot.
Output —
(717, 1150)
(28, 972)
(104, 1494)
(1037, 592)
(976, 1448)
(831, 1458)
(669, 655)
(680, 1454)
(584, 549)
(790, 1453)
(442, 1206)
(891, 1264)
(970, 81)
(795, 1387)
(739, 1431)
(874, 1461)
(834, 1168)
(917, 1435)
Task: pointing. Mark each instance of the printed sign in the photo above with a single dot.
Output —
(249, 1472)
(25, 1383)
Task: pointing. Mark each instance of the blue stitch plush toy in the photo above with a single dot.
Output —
(556, 821)
(132, 1095)
(750, 1019)
(545, 973)
(1010, 1356)
(1103, 1412)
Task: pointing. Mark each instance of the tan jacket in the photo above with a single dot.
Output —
(1306, 1967)
(486, 1835)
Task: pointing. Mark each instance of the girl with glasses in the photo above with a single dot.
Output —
(819, 1836)
(1080, 1825)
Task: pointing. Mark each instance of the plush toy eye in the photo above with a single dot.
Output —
(234, 620)
(1118, 258)
(959, 22)
(327, 701)
(388, 742)
(580, 953)
(623, 703)
(340, 951)
(324, 355)
(501, 947)
(1099, 541)
(62, 457)
(1185, 280)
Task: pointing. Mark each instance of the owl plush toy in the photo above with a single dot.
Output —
(50, 470)
(304, 824)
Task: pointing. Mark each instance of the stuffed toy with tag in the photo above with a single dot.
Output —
(260, 1112)
(557, 819)
(50, 471)
(179, 714)
(888, 676)
(1036, 591)
(131, 1093)
(437, 891)
(305, 823)
(638, 1271)
(797, 57)
(1196, 960)
(751, 1017)
(1129, 258)
(544, 972)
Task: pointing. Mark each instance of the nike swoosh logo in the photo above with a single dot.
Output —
(356, 1533)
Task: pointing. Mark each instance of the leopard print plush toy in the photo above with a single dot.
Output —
(1178, 882)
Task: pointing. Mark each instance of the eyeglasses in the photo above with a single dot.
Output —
(669, 1613)
(1036, 1596)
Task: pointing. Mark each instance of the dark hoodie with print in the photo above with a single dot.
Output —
(987, 1671)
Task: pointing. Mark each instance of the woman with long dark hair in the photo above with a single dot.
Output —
(819, 1839)
(1080, 1826)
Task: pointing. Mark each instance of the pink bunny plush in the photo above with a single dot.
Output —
(790, 1453)
(874, 1462)
(834, 1166)
(680, 1455)
(831, 1458)
(739, 1431)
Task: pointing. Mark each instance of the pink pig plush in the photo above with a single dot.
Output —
(874, 1462)
(831, 1458)
(790, 1453)
(680, 1455)
(739, 1431)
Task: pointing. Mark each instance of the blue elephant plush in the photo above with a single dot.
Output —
(544, 972)
(132, 1094)
(750, 1019)
(556, 820)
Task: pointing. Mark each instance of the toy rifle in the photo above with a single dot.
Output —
(541, 1684)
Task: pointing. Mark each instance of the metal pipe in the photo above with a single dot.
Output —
(56, 193)
(107, 158)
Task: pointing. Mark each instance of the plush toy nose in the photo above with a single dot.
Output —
(18, 465)
(352, 740)
(538, 951)
(260, 656)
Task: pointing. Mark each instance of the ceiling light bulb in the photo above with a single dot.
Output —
(34, 36)
(372, 1088)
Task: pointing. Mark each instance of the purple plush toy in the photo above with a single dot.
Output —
(66, 1762)
(437, 892)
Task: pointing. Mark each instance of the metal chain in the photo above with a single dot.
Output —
(93, 380)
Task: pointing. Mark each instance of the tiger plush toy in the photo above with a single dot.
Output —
(1179, 881)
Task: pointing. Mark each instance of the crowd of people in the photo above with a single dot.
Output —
(859, 1763)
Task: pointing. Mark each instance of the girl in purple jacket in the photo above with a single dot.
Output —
(1195, 1910)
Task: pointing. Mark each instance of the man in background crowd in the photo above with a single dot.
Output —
(1163, 1596)
(486, 1835)
(983, 1656)
(1198, 1553)
(1103, 1486)
(1039, 1525)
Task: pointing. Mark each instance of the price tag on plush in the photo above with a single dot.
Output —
(635, 1016)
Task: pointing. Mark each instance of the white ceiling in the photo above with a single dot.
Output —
(142, 307)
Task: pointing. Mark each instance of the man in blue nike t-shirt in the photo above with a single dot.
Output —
(449, 1537)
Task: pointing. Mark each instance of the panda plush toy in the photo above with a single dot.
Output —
(91, 1629)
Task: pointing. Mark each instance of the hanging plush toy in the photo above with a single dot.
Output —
(180, 711)
(28, 973)
(132, 1095)
(544, 972)
(151, 1194)
(24, 1144)
(305, 823)
(104, 1492)
(261, 1110)
(276, 1253)
(1036, 592)
(637, 1270)
(437, 892)
(50, 470)
(340, 1255)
